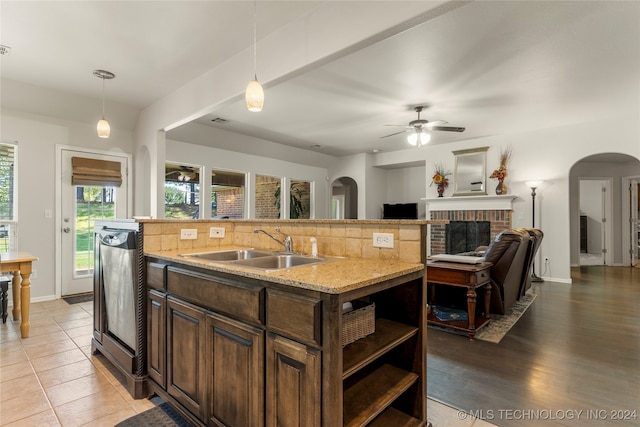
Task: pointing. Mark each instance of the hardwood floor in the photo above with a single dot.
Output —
(572, 359)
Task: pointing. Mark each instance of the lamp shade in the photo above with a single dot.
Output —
(533, 184)
(254, 96)
(103, 128)
(418, 137)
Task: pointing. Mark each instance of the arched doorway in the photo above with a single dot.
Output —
(603, 223)
(344, 198)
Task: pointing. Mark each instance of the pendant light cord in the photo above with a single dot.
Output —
(102, 98)
(255, 39)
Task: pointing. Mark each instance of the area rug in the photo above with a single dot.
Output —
(76, 299)
(501, 324)
(162, 415)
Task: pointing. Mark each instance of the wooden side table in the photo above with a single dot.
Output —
(470, 276)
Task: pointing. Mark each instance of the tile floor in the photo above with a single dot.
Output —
(52, 379)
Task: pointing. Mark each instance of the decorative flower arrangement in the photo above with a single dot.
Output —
(501, 173)
(440, 179)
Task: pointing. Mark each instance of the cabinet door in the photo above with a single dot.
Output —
(157, 336)
(235, 372)
(293, 383)
(186, 332)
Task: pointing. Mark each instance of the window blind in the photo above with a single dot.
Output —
(95, 172)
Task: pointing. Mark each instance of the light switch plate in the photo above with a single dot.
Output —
(188, 234)
(216, 232)
(383, 240)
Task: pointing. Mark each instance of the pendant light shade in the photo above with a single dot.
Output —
(103, 128)
(254, 94)
(418, 138)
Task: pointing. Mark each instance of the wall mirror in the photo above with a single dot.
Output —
(470, 173)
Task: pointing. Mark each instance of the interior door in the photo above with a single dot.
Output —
(634, 220)
(80, 207)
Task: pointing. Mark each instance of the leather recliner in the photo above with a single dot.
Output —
(536, 236)
(508, 253)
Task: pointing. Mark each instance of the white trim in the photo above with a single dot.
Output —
(475, 203)
(58, 195)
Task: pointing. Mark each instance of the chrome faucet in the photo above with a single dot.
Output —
(287, 242)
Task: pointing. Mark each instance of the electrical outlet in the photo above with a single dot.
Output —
(216, 232)
(382, 240)
(188, 234)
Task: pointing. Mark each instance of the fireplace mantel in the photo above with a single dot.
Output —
(463, 203)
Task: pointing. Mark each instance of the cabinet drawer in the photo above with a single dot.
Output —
(236, 299)
(156, 275)
(294, 316)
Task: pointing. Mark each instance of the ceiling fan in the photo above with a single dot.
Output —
(419, 129)
(184, 173)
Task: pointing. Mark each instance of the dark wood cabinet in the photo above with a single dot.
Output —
(186, 334)
(293, 383)
(235, 372)
(157, 336)
(246, 352)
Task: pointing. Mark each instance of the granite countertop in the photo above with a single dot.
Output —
(339, 275)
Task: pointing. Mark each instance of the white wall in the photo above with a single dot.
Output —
(546, 154)
(37, 138)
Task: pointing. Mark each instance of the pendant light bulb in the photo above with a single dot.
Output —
(103, 128)
(254, 94)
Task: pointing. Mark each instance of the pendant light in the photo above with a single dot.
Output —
(418, 138)
(254, 95)
(103, 128)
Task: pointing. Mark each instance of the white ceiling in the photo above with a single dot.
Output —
(493, 67)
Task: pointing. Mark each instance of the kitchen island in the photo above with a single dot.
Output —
(238, 346)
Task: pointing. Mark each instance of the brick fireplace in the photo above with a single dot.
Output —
(497, 210)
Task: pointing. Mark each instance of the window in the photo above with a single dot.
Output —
(267, 197)
(181, 191)
(227, 194)
(8, 205)
(300, 200)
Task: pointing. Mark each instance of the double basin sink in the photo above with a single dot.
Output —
(259, 259)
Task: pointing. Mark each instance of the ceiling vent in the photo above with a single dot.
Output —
(219, 120)
(4, 50)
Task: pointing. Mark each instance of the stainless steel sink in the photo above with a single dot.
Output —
(279, 262)
(226, 256)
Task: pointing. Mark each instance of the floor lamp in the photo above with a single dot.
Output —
(533, 185)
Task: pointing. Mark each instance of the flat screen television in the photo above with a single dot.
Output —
(400, 211)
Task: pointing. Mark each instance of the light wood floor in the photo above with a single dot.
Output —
(577, 348)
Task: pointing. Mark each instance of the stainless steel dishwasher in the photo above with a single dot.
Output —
(119, 299)
(118, 258)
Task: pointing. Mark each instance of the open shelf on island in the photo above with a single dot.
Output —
(387, 336)
(369, 397)
(395, 418)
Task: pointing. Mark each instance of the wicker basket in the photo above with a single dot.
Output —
(359, 322)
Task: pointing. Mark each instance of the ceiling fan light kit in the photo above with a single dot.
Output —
(419, 129)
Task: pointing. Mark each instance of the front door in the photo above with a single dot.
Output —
(80, 207)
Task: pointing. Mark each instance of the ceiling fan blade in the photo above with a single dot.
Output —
(448, 128)
(435, 123)
(395, 133)
(401, 126)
